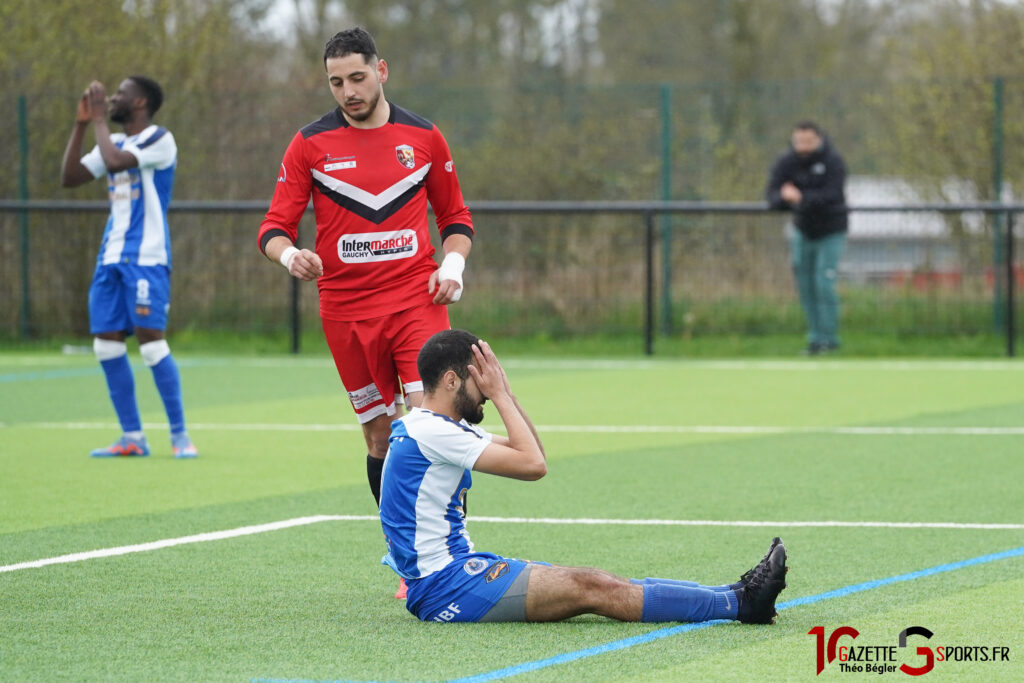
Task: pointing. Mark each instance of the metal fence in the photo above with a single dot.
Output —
(558, 269)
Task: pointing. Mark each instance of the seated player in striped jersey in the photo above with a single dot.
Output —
(427, 474)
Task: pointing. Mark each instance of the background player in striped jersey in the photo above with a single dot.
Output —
(130, 291)
(370, 168)
(427, 474)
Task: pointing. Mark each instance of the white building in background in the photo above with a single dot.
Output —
(891, 246)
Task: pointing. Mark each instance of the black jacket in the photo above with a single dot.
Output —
(820, 177)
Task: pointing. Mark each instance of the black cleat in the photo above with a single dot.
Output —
(764, 560)
(762, 585)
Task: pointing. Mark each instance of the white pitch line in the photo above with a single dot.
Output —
(742, 523)
(171, 542)
(880, 430)
(780, 365)
(768, 364)
(587, 521)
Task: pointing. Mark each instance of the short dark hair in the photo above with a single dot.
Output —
(351, 41)
(807, 124)
(446, 350)
(151, 90)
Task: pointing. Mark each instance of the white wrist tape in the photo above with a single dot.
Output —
(286, 257)
(451, 269)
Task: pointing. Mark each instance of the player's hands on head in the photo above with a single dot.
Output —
(487, 372)
(306, 265)
(97, 101)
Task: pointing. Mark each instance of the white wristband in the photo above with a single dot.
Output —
(286, 257)
(451, 269)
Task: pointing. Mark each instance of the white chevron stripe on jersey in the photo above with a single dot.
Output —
(373, 201)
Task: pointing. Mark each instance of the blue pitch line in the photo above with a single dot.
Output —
(652, 636)
(868, 585)
(674, 630)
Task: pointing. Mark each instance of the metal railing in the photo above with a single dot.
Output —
(645, 211)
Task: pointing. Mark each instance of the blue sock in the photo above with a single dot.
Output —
(667, 602)
(676, 582)
(168, 383)
(121, 384)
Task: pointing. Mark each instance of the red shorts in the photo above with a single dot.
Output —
(376, 358)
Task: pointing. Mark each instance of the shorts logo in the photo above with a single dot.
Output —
(377, 246)
(142, 301)
(406, 156)
(474, 566)
(363, 397)
(497, 571)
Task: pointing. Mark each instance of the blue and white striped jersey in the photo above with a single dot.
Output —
(423, 487)
(137, 230)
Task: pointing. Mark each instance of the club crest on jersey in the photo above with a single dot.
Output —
(474, 566)
(406, 155)
(496, 572)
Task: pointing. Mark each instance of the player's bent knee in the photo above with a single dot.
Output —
(376, 433)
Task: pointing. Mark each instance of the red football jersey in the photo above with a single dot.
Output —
(370, 189)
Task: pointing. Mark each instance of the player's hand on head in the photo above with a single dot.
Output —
(306, 265)
(487, 371)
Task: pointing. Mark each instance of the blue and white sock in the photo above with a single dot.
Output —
(113, 358)
(667, 602)
(157, 355)
(676, 582)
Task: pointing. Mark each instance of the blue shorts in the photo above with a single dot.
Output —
(465, 590)
(125, 296)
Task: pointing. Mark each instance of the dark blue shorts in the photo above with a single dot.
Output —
(125, 296)
(465, 590)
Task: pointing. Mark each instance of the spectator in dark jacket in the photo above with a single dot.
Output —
(808, 180)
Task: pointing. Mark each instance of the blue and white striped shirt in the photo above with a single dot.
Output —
(137, 230)
(423, 487)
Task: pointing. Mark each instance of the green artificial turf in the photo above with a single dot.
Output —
(763, 440)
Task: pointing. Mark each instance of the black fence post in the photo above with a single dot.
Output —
(649, 284)
(1010, 285)
(25, 316)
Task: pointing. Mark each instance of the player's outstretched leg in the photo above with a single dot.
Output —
(719, 589)
(113, 358)
(762, 586)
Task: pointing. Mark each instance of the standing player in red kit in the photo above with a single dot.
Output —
(370, 168)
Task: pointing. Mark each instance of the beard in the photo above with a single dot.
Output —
(470, 411)
(371, 107)
(120, 115)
